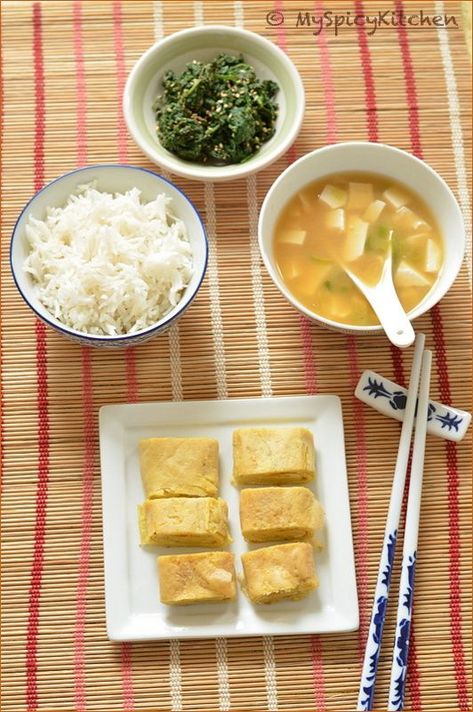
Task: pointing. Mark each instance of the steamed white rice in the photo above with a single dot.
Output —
(109, 264)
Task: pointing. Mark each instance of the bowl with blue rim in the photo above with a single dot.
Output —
(114, 179)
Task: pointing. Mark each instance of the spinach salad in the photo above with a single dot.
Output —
(217, 112)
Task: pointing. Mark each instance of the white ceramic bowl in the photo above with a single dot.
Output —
(372, 158)
(111, 178)
(204, 44)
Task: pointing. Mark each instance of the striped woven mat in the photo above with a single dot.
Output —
(64, 68)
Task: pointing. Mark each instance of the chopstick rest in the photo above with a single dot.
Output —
(388, 398)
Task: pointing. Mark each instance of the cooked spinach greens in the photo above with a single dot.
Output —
(217, 113)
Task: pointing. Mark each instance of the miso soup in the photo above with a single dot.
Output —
(351, 218)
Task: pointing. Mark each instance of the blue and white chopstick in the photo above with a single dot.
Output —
(409, 552)
(373, 645)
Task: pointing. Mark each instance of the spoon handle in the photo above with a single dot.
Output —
(392, 316)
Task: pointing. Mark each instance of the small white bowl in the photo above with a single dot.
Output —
(111, 178)
(372, 158)
(204, 44)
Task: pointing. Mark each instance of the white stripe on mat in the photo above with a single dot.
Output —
(198, 13)
(222, 390)
(457, 132)
(175, 674)
(158, 20)
(256, 275)
(173, 331)
(175, 359)
(220, 370)
(264, 367)
(258, 294)
(270, 673)
(214, 292)
(239, 13)
(222, 675)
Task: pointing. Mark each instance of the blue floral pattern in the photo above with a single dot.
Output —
(402, 637)
(452, 422)
(398, 399)
(377, 624)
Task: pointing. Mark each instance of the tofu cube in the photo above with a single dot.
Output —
(196, 578)
(279, 514)
(357, 232)
(407, 276)
(409, 220)
(335, 219)
(416, 245)
(179, 467)
(360, 195)
(374, 210)
(273, 456)
(184, 521)
(396, 197)
(433, 257)
(284, 571)
(292, 237)
(333, 197)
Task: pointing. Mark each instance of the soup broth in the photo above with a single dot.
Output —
(350, 219)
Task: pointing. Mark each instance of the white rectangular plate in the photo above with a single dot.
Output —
(133, 609)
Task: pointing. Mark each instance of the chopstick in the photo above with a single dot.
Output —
(409, 552)
(373, 644)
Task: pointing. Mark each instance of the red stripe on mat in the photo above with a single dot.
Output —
(411, 92)
(310, 371)
(132, 385)
(130, 360)
(445, 393)
(373, 135)
(370, 92)
(42, 398)
(327, 79)
(362, 497)
(121, 78)
(87, 395)
(361, 548)
(396, 354)
(87, 509)
(310, 376)
(453, 520)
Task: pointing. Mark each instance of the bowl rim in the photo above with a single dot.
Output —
(194, 170)
(69, 331)
(421, 308)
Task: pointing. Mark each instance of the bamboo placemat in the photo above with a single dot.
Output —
(64, 68)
